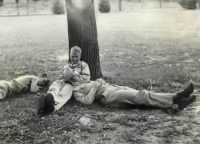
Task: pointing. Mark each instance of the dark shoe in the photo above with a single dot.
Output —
(184, 94)
(186, 101)
(50, 103)
(46, 105)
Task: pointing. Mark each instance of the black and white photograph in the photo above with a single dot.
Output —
(99, 71)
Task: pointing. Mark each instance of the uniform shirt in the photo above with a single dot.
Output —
(20, 84)
(27, 83)
(87, 92)
(81, 73)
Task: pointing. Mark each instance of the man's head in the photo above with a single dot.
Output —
(43, 80)
(45, 105)
(75, 54)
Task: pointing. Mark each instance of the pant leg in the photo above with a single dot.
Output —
(61, 92)
(64, 95)
(142, 97)
(55, 88)
(3, 90)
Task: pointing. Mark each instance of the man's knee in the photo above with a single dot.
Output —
(56, 85)
(143, 96)
(143, 93)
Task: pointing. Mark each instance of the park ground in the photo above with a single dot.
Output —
(146, 49)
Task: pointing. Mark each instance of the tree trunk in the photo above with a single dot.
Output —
(120, 5)
(82, 31)
(160, 3)
(17, 3)
(28, 6)
(1, 2)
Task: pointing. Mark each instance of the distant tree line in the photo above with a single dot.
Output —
(17, 1)
(105, 6)
(187, 4)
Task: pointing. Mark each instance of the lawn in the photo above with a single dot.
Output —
(146, 49)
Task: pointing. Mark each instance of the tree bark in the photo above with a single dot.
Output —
(1, 2)
(160, 3)
(120, 5)
(82, 32)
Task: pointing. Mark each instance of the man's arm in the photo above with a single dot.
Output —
(87, 92)
(66, 69)
(34, 87)
(85, 73)
(86, 99)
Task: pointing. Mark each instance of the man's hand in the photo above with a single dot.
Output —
(78, 94)
(67, 73)
(86, 87)
(78, 88)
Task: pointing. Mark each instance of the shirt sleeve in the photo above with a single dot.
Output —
(34, 87)
(86, 93)
(86, 99)
(85, 74)
(62, 71)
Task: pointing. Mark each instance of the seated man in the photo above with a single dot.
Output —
(81, 71)
(60, 91)
(112, 94)
(27, 83)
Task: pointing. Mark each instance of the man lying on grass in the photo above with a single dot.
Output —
(60, 91)
(113, 94)
(109, 94)
(27, 83)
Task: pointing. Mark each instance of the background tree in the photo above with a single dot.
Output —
(58, 7)
(120, 5)
(160, 3)
(188, 4)
(1, 2)
(17, 6)
(82, 31)
(104, 6)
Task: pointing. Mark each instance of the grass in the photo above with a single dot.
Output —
(156, 49)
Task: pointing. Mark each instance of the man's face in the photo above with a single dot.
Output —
(75, 57)
(43, 81)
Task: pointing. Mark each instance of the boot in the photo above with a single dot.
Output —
(184, 94)
(186, 101)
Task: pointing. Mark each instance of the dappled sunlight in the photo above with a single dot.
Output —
(62, 57)
(197, 109)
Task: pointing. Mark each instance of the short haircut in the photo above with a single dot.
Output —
(76, 49)
(44, 75)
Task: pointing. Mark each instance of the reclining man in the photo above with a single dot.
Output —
(112, 94)
(27, 83)
(60, 91)
(106, 93)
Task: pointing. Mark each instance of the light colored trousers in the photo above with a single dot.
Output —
(3, 89)
(61, 92)
(7, 88)
(142, 97)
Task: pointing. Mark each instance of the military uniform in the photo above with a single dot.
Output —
(26, 83)
(113, 94)
(62, 90)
